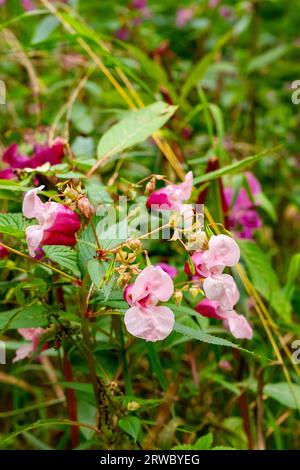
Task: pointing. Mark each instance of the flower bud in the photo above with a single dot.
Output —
(150, 186)
(124, 279)
(178, 295)
(84, 206)
(133, 406)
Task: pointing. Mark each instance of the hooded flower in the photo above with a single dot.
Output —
(145, 319)
(243, 218)
(172, 197)
(222, 295)
(222, 251)
(32, 335)
(57, 224)
(42, 154)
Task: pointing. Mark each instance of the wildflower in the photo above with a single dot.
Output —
(42, 154)
(243, 218)
(222, 251)
(171, 270)
(32, 335)
(145, 319)
(172, 197)
(222, 295)
(57, 224)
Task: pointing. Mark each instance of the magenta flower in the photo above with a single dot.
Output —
(32, 335)
(171, 270)
(222, 251)
(3, 252)
(42, 154)
(210, 309)
(183, 16)
(172, 197)
(57, 224)
(243, 218)
(139, 4)
(145, 319)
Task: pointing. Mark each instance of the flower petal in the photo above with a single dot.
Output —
(32, 205)
(152, 281)
(152, 323)
(223, 289)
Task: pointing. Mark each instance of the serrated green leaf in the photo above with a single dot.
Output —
(13, 225)
(28, 317)
(64, 256)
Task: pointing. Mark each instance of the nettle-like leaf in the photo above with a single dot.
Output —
(64, 256)
(13, 225)
(32, 316)
(264, 278)
(136, 127)
(131, 425)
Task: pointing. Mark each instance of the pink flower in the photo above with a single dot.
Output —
(57, 224)
(238, 325)
(145, 319)
(183, 16)
(30, 334)
(42, 154)
(171, 270)
(223, 289)
(222, 251)
(213, 3)
(243, 218)
(172, 197)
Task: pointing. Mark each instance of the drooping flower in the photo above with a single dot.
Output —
(238, 325)
(223, 310)
(172, 197)
(171, 270)
(32, 335)
(243, 218)
(57, 224)
(145, 319)
(42, 154)
(222, 251)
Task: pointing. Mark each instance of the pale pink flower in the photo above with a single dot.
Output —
(32, 335)
(222, 251)
(238, 325)
(223, 289)
(145, 319)
(57, 224)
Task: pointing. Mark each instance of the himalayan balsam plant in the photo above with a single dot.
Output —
(148, 248)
